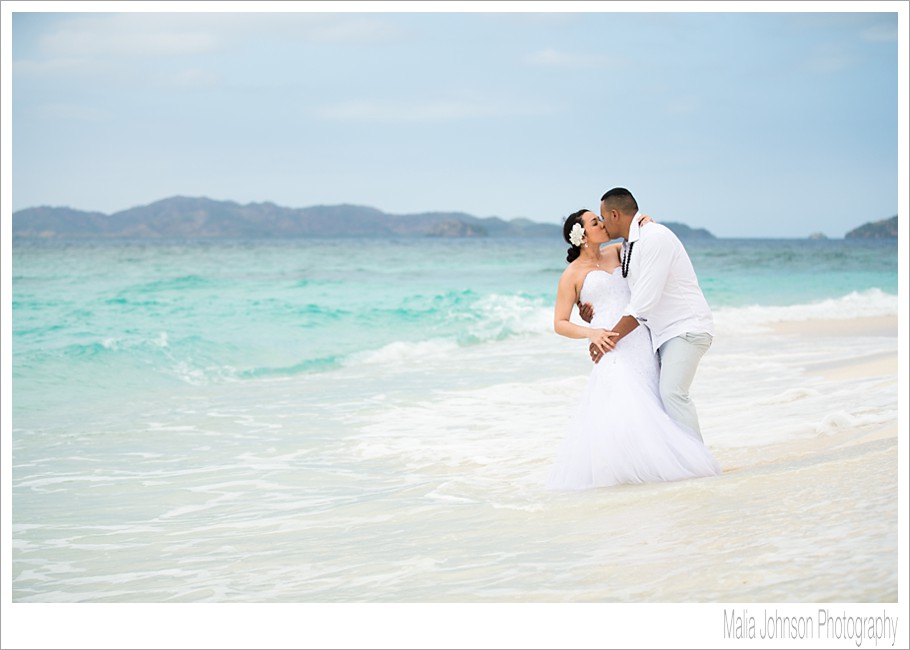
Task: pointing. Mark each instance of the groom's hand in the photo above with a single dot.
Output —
(586, 311)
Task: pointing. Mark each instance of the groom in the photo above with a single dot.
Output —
(665, 298)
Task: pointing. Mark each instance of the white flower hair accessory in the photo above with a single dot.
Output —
(577, 234)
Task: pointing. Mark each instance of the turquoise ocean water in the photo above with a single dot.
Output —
(97, 322)
(312, 420)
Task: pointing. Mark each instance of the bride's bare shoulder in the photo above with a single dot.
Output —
(571, 273)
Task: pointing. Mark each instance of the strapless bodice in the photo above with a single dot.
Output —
(608, 293)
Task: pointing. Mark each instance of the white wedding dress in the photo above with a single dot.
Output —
(620, 432)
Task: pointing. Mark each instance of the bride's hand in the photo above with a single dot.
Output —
(601, 341)
(645, 219)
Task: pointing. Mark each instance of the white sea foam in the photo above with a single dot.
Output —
(753, 318)
(504, 315)
(403, 352)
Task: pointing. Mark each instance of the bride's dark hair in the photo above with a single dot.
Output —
(571, 220)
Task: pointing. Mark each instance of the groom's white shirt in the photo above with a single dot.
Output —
(665, 293)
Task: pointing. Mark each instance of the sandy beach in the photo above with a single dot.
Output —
(876, 370)
(866, 326)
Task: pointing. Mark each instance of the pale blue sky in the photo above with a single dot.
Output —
(748, 124)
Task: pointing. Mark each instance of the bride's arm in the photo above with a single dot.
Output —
(565, 300)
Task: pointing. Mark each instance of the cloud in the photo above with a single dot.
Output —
(63, 66)
(879, 33)
(123, 35)
(324, 28)
(73, 112)
(683, 105)
(72, 45)
(551, 57)
(181, 33)
(192, 78)
(829, 60)
(427, 111)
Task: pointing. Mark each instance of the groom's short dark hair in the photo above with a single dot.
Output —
(621, 199)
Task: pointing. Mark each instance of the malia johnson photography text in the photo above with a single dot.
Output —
(827, 625)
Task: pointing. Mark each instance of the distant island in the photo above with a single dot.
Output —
(202, 218)
(884, 229)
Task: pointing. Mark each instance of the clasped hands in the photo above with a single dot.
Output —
(601, 340)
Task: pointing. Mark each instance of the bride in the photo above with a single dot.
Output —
(620, 432)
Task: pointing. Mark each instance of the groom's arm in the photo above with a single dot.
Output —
(625, 325)
(655, 260)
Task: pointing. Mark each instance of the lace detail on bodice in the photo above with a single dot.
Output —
(609, 294)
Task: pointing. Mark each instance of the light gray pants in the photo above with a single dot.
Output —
(679, 359)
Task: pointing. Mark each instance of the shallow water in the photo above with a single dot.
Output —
(157, 458)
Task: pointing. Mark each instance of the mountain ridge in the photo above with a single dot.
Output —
(200, 217)
(205, 218)
(184, 217)
(884, 229)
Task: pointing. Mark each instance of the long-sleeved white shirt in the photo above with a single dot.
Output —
(665, 293)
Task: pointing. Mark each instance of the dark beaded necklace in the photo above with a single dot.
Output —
(626, 257)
